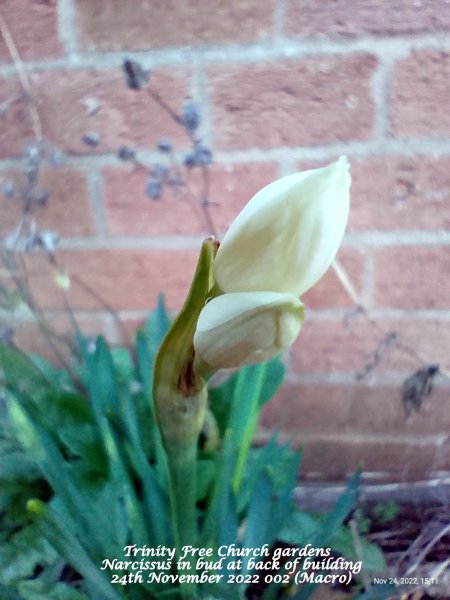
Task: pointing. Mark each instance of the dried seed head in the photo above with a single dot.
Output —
(40, 197)
(190, 116)
(8, 189)
(136, 77)
(153, 188)
(91, 139)
(164, 145)
(125, 153)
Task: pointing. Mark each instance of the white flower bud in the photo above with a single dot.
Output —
(277, 248)
(246, 327)
(288, 234)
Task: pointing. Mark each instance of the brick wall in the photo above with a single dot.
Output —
(282, 85)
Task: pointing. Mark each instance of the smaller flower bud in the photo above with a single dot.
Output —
(245, 328)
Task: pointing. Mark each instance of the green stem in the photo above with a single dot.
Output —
(183, 471)
(182, 466)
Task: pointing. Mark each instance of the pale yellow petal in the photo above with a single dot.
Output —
(286, 237)
(244, 328)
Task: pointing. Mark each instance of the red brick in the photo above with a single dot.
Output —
(336, 345)
(122, 279)
(442, 461)
(29, 337)
(123, 117)
(67, 211)
(338, 459)
(130, 211)
(32, 25)
(329, 292)
(419, 95)
(316, 100)
(412, 277)
(172, 23)
(354, 409)
(430, 338)
(359, 17)
(333, 346)
(395, 193)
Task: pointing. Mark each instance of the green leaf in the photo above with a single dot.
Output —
(24, 551)
(101, 379)
(148, 341)
(330, 526)
(15, 464)
(69, 548)
(37, 590)
(7, 593)
(21, 374)
(343, 506)
(58, 378)
(371, 556)
(123, 365)
(157, 324)
(10, 298)
(155, 498)
(258, 518)
(300, 528)
(94, 525)
(206, 470)
(220, 493)
(385, 511)
(223, 396)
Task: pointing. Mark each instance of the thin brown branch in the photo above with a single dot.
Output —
(21, 281)
(87, 288)
(205, 202)
(440, 534)
(23, 79)
(163, 104)
(351, 292)
(204, 197)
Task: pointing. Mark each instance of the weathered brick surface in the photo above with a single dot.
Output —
(412, 277)
(32, 24)
(338, 459)
(419, 95)
(292, 103)
(357, 408)
(150, 24)
(395, 193)
(30, 337)
(262, 95)
(121, 279)
(378, 17)
(332, 346)
(129, 211)
(430, 338)
(353, 345)
(68, 208)
(329, 292)
(64, 101)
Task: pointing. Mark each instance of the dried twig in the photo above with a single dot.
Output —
(163, 104)
(439, 569)
(349, 288)
(440, 534)
(23, 79)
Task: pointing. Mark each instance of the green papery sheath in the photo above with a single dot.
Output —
(179, 391)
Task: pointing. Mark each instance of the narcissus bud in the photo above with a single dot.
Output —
(246, 327)
(277, 248)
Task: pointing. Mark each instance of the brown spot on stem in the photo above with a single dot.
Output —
(187, 384)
